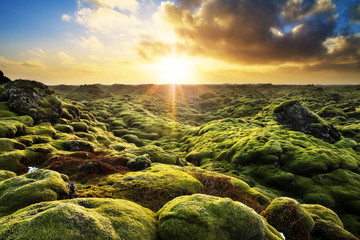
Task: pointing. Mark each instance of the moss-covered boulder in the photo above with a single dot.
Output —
(327, 224)
(288, 216)
(157, 154)
(7, 145)
(79, 145)
(131, 138)
(6, 175)
(320, 212)
(64, 128)
(299, 118)
(139, 163)
(81, 219)
(211, 218)
(152, 187)
(11, 128)
(34, 99)
(34, 187)
(80, 126)
(14, 161)
(330, 231)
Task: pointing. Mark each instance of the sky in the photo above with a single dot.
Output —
(183, 41)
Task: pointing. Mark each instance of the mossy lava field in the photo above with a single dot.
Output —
(167, 162)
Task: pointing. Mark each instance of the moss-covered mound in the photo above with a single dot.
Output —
(6, 175)
(287, 216)
(211, 218)
(87, 92)
(82, 219)
(152, 187)
(34, 187)
(327, 223)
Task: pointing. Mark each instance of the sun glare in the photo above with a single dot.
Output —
(174, 70)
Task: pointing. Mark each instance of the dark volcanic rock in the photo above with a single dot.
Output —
(3, 79)
(34, 99)
(299, 118)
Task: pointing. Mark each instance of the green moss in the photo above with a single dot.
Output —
(34, 187)
(7, 145)
(4, 113)
(351, 223)
(157, 154)
(152, 187)
(6, 175)
(27, 120)
(66, 115)
(73, 110)
(13, 161)
(330, 231)
(281, 107)
(207, 217)
(81, 219)
(346, 143)
(331, 111)
(80, 126)
(288, 216)
(320, 212)
(45, 129)
(64, 128)
(11, 128)
(130, 138)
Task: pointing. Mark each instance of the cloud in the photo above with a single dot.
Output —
(127, 5)
(91, 43)
(255, 31)
(106, 20)
(30, 63)
(65, 58)
(66, 18)
(39, 53)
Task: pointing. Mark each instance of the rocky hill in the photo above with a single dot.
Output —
(179, 162)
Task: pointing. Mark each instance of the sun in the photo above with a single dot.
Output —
(174, 70)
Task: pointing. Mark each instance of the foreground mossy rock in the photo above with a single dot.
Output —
(320, 212)
(6, 175)
(34, 99)
(152, 187)
(7, 145)
(159, 175)
(327, 224)
(81, 219)
(34, 187)
(288, 216)
(14, 161)
(204, 217)
(10, 128)
(299, 118)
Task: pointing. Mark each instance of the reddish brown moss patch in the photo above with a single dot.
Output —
(85, 165)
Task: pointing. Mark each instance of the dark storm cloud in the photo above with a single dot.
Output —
(190, 4)
(355, 11)
(257, 31)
